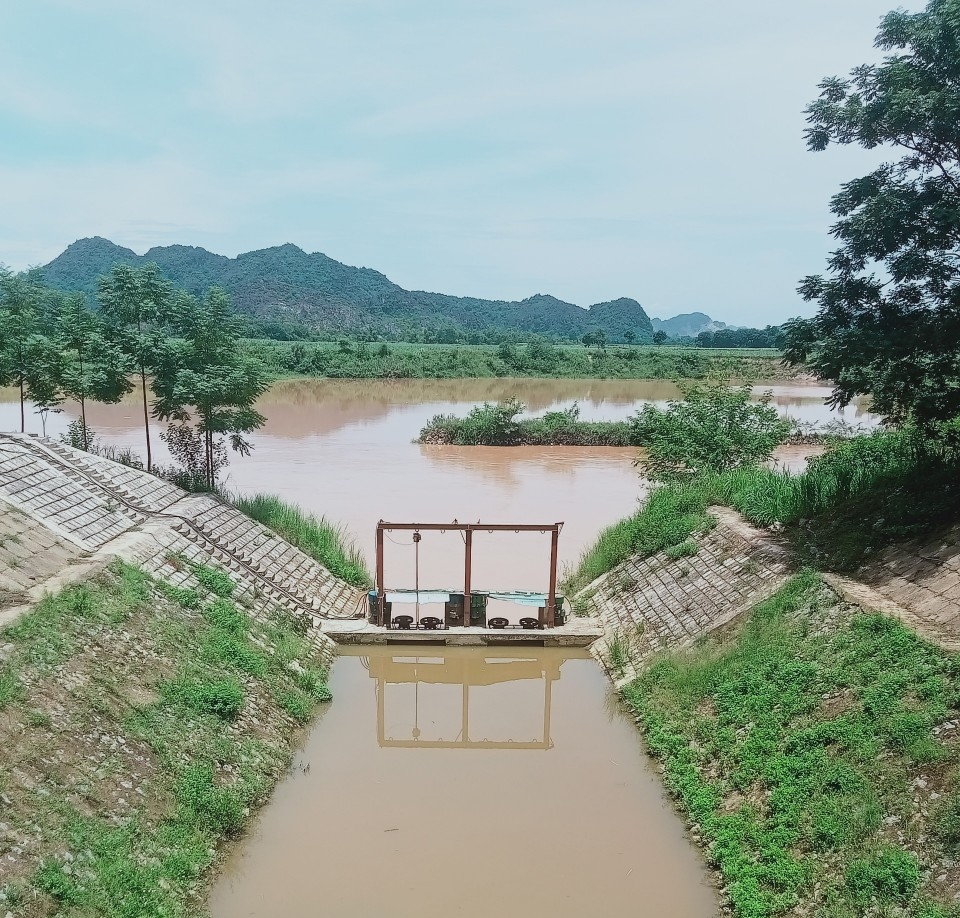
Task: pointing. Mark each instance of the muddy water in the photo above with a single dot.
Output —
(343, 448)
(467, 782)
(398, 805)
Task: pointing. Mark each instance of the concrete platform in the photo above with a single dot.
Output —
(581, 632)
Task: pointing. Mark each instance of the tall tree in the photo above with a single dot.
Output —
(94, 367)
(207, 376)
(888, 323)
(132, 300)
(18, 325)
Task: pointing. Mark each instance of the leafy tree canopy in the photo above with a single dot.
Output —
(888, 323)
(711, 429)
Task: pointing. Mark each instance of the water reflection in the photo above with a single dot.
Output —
(418, 697)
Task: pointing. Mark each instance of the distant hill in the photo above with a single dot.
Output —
(286, 286)
(688, 325)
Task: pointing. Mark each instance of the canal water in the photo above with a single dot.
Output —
(462, 782)
(468, 782)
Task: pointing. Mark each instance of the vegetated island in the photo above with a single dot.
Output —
(501, 424)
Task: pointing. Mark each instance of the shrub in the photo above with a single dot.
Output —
(889, 875)
(222, 698)
(712, 429)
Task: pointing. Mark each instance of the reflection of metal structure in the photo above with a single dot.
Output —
(549, 613)
(468, 670)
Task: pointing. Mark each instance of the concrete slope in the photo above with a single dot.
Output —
(96, 509)
(661, 602)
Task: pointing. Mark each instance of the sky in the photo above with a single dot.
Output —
(492, 148)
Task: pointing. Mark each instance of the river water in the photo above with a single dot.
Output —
(470, 781)
(344, 448)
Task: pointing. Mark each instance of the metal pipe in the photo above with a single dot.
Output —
(381, 593)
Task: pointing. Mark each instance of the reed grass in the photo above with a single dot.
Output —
(880, 486)
(326, 542)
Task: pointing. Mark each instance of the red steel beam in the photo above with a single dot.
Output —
(467, 575)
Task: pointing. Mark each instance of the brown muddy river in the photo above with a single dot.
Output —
(466, 782)
(343, 448)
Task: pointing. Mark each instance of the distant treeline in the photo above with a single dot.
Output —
(350, 359)
(725, 338)
(771, 336)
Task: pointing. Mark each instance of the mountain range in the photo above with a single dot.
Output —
(286, 286)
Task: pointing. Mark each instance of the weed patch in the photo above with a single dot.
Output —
(175, 712)
(748, 718)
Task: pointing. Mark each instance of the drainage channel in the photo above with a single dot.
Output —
(467, 781)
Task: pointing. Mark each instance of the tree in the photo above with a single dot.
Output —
(18, 326)
(44, 376)
(208, 376)
(132, 301)
(94, 367)
(888, 322)
(713, 428)
(659, 337)
(630, 337)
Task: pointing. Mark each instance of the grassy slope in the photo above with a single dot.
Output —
(809, 750)
(868, 492)
(139, 726)
(324, 541)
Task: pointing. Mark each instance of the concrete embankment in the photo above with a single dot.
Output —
(806, 724)
(671, 599)
(159, 653)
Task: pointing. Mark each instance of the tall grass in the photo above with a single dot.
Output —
(906, 476)
(326, 542)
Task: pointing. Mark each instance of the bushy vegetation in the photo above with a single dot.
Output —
(791, 746)
(349, 359)
(324, 541)
(198, 708)
(862, 493)
(711, 429)
(501, 425)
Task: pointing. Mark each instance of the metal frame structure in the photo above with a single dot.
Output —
(468, 529)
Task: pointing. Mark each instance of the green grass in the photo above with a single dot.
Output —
(865, 492)
(794, 743)
(206, 766)
(318, 537)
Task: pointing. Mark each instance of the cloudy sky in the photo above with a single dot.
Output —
(495, 148)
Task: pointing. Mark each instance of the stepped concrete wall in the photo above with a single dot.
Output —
(92, 510)
(917, 581)
(650, 604)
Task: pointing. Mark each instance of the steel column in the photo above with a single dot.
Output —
(467, 575)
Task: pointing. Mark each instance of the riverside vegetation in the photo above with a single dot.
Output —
(538, 357)
(142, 723)
(815, 751)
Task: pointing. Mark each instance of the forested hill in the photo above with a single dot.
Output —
(285, 286)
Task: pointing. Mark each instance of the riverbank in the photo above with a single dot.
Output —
(142, 723)
(363, 360)
(813, 747)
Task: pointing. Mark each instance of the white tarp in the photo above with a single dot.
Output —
(425, 596)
